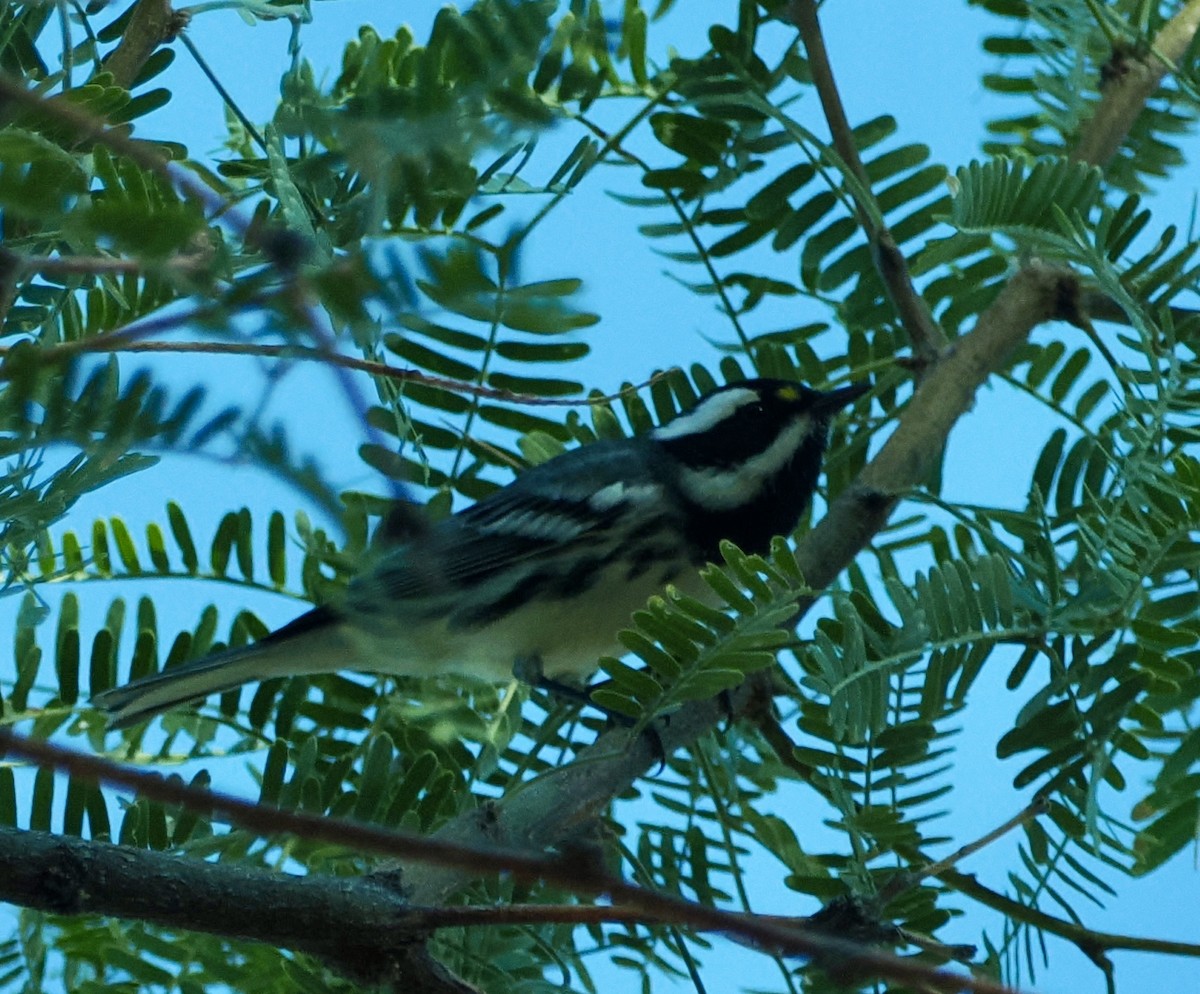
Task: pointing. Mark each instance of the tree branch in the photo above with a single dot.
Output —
(63, 883)
(924, 334)
(1138, 79)
(375, 925)
(1035, 294)
(907, 879)
(66, 876)
(559, 805)
(153, 22)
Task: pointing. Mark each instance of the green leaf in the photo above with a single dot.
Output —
(183, 537)
(699, 139)
(534, 386)
(542, 352)
(8, 797)
(38, 179)
(222, 543)
(376, 774)
(126, 549)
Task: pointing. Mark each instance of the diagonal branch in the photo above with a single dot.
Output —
(1093, 944)
(924, 334)
(153, 23)
(1138, 79)
(64, 881)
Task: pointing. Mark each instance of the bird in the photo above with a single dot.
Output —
(540, 575)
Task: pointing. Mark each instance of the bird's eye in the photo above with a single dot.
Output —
(756, 410)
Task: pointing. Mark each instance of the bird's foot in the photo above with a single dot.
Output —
(528, 669)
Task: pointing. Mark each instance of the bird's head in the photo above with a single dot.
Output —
(747, 456)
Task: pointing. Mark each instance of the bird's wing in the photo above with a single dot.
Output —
(566, 508)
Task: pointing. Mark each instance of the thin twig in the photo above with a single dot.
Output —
(130, 342)
(1085, 938)
(96, 265)
(226, 97)
(926, 337)
(689, 227)
(908, 879)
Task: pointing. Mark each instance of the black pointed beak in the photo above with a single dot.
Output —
(835, 400)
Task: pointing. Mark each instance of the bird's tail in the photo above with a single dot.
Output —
(313, 643)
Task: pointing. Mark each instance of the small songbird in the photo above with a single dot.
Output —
(542, 574)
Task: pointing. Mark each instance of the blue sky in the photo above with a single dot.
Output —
(919, 62)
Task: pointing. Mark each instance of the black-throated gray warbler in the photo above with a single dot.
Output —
(549, 568)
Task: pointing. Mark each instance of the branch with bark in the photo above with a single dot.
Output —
(77, 876)
(375, 926)
(553, 808)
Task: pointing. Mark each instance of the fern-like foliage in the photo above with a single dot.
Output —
(1059, 58)
(389, 212)
(691, 651)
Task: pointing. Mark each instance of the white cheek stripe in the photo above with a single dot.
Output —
(725, 488)
(707, 414)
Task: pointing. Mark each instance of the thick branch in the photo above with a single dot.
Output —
(1035, 294)
(72, 876)
(153, 23)
(68, 876)
(1138, 79)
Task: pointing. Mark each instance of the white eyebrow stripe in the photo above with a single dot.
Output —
(729, 487)
(712, 411)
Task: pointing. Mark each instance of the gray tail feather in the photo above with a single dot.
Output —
(312, 643)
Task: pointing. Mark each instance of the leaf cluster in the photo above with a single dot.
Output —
(407, 191)
(1058, 59)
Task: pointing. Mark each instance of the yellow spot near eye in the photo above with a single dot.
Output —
(788, 394)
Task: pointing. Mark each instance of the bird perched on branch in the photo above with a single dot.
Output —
(542, 574)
